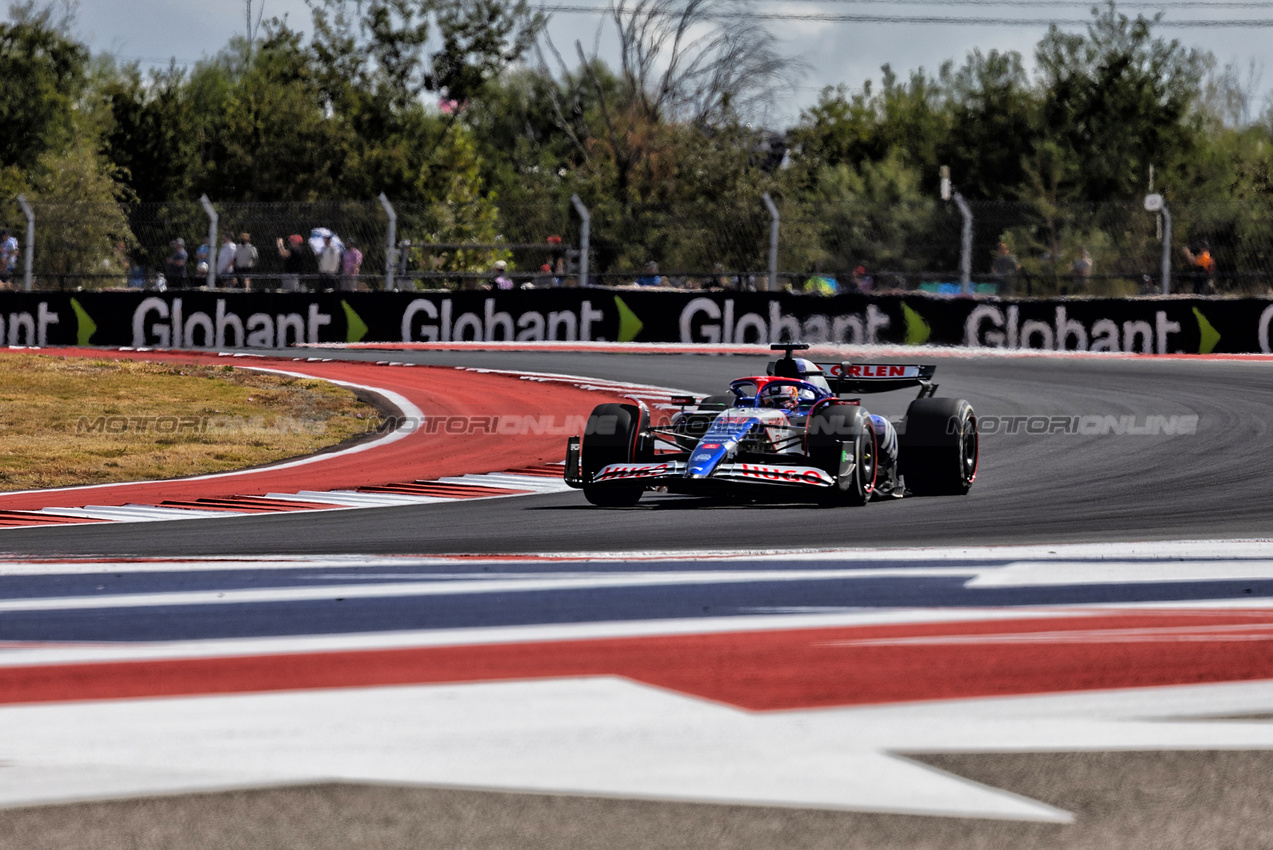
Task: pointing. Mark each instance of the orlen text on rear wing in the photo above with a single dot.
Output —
(860, 378)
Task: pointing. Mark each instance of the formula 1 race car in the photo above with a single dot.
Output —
(791, 432)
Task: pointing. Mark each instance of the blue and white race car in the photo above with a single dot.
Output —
(794, 432)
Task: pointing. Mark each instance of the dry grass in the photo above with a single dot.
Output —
(67, 421)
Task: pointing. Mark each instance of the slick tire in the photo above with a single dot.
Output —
(616, 433)
(938, 451)
(841, 441)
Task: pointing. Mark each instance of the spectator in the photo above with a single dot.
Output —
(718, 280)
(1005, 267)
(860, 280)
(650, 277)
(8, 258)
(201, 258)
(404, 257)
(556, 256)
(545, 278)
(245, 260)
(1203, 273)
(294, 254)
(175, 270)
(350, 263)
(328, 264)
(502, 280)
(225, 261)
(1081, 268)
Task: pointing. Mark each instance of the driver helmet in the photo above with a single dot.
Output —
(782, 396)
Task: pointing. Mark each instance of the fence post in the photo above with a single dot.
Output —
(1154, 203)
(948, 193)
(772, 284)
(585, 237)
(30, 248)
(391, 252)
(213, 247)
(965, 245)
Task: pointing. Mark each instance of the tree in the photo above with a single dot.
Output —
(43, 71)
(376, 49)
(877, 215)
(83, 226)
(702, 62)
(992, 126)
(153, 134)
(1122, 99)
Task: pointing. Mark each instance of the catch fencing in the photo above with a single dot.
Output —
(910, 244)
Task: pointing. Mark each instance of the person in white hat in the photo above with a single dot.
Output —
(502, 280)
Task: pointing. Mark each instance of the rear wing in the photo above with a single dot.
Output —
(861, 378)
(853, 378)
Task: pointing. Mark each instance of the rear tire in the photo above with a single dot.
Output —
(939, 449)
(837, 434)
(616, 433)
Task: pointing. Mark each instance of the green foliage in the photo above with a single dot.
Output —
(43, 71)
(462, 212)
(1122, 100)
(874, 215)
(83, 228)
(991, 131)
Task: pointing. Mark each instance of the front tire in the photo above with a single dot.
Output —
(616, 433)
(939, 450)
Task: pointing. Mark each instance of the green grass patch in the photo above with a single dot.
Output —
(66, 421)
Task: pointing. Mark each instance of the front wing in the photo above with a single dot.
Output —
(671, 474)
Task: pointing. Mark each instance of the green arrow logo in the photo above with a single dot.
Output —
(85, 326)
(355, 327)
(629, 324)
(917, 330)
(1207, 334)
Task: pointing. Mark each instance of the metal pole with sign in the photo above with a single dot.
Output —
(949, 193)
(1155, 204)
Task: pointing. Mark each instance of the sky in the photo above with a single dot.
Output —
(851, 52)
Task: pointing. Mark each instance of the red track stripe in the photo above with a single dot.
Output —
(754, 670)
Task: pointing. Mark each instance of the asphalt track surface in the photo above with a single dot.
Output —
(1032, 488)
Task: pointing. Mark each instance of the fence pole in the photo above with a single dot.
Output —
(391, 254)
(771, 284)
(965, 244)
(30, 248)
(213, 247)
(1166, 250)
(585, 238)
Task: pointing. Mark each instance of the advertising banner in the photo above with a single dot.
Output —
(199, 319)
